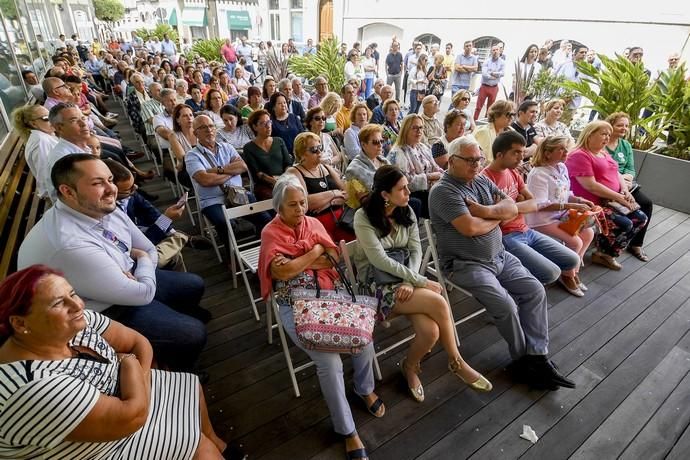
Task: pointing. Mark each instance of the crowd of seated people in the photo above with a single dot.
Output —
(318, 157)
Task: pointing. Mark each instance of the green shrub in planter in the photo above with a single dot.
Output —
(622, 87)
(326, 62)
(673, 99)
(208, 49)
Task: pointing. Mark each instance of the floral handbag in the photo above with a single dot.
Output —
(333, 321)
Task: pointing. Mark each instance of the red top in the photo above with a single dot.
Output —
(510, 182)
(604, 169)
(228, 53)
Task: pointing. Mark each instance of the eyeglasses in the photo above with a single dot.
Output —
(265, 124)
(377, 142)
(510, 114)
(128, 192)
(417, 128)
(43, 118)
(315, 149)
(319, 118)
(465, 99)
(206, 127)
(478, 161)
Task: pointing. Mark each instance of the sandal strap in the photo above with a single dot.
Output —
(357, 454)
(374, 408)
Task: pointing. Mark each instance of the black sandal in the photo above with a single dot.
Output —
(374, 408)
(638, 252)
(356, 454)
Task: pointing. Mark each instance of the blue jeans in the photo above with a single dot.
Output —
(329, 369)
(543, 256)
(177, 338)
(512, 296)
(230, 68)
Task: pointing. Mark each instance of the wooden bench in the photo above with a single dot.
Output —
(20, 207)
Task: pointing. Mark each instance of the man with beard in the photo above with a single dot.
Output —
(112, 265)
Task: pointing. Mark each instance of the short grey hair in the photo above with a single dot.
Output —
(285, 182)
(55, 114)
(154, 85)
(165, 92)
(460, 144)
(181, 83)
(284, 83)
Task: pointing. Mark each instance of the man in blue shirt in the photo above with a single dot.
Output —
(465, 65)
(244, 50)
(492, 72)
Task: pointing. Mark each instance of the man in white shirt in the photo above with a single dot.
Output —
(168, 48)
(112, 265)
(163, 122)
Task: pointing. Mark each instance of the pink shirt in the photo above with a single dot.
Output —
(228, 53)
(510, 182)
(604, 169)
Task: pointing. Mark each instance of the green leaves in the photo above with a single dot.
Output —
(209, 49)
(621, 86)
(109, 10)
(326, 62)
(159, 31)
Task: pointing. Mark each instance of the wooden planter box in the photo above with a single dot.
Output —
(665, 180)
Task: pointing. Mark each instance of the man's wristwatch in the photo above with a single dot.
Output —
(219, 169)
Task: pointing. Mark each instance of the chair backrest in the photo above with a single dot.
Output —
(248, 209)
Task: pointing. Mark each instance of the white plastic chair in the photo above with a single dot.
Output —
(205, 226)
(432, 265)
(247, 253)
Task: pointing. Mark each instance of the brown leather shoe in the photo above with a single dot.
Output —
(606, 260)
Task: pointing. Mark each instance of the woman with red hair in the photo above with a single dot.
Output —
(77, 384)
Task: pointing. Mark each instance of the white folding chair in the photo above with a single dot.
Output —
(247, 253)
(178, 186)
(432, 265)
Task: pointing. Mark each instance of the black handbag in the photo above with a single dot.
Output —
(380, 277)
(346, 221)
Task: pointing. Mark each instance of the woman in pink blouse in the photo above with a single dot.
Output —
(594, 176)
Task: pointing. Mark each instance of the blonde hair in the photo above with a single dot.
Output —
(592, 128)
(300, 144)
(355, 108)
(22, 116)
(331, 103)
(387, 103)
(457, 96)
(499, 108)
(369, 130)
(615, 116)
(552, 103)
(549, 144)
(405, 127)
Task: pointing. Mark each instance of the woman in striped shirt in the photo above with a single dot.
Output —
(74, 384)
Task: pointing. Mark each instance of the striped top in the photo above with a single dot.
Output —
(41, 402)
(446, 203)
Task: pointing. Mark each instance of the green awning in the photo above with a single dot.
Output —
(239, 20)
(195, 17)
(173, 18)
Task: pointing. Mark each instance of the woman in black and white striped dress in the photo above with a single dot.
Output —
(75, 384)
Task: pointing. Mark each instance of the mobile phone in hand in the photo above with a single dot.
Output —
(182, 201)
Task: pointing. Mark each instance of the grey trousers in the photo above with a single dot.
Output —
(329, 369)
(514, 299)
(397, 81)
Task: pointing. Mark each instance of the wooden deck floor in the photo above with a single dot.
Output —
(626, 344)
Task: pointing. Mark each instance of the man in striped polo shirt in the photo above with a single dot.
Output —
(466, 210)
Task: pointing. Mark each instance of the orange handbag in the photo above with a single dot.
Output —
(572, 221)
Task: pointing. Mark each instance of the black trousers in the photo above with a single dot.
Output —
(646, 206)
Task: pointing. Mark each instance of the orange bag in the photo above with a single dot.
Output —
(572, 221)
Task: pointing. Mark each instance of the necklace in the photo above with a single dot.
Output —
(322, 183)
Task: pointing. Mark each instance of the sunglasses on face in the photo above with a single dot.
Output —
(319, 118)
(376, 142)
(316, 149)
(465, 99)
(510, 114)
(43, 118)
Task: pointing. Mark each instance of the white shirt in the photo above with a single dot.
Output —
(93, 262)
(61, 149)
(37, 150)
(165, 120)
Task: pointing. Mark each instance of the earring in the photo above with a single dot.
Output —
(386, 203)
(26, 331)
